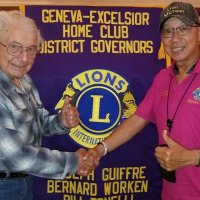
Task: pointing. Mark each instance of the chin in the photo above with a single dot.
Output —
(19, 74)
(178, 58)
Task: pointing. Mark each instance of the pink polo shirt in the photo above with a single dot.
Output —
(186, 125)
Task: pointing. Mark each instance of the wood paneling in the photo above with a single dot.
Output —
(158, 3)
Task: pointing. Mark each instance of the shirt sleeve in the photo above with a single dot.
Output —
(48, 124)
(146, 109)
(19, 154)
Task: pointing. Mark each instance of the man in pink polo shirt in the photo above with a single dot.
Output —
(173, 104)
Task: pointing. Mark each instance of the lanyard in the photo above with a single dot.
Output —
(171, 121)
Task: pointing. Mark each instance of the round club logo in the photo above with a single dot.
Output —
(103, 100)
(196, 94)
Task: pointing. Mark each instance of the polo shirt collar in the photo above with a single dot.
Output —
(193, 69)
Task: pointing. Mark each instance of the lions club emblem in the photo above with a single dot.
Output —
(103, 100)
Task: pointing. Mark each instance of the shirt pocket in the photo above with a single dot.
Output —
(22, 115)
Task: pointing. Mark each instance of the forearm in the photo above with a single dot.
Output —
(192, 158)
(40, 162)
(51, 125)
(17, 155)
(123, 133)
(188, 158)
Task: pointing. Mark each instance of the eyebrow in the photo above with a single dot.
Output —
(14, 42)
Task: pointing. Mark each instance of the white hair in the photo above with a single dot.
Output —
(14, 18)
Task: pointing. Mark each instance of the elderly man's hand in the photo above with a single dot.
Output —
(91, 159)
(86, 165)
(69, 115)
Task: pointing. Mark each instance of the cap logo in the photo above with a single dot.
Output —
(175, 10)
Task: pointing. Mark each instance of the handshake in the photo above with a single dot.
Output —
(89, 159)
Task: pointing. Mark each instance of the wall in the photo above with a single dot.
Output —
(94, 2)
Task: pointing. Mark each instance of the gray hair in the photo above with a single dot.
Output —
(15, 17)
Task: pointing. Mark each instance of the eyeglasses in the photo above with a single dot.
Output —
(181, 30)
(15, 49)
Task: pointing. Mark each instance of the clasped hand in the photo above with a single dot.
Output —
(87, 162)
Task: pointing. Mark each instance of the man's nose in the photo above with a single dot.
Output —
(24, 54)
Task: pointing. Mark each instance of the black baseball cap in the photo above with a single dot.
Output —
(183, 11)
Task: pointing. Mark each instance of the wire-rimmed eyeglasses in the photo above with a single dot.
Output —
(16, 49)
(180, 30)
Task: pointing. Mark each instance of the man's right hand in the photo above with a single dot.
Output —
(87, 162)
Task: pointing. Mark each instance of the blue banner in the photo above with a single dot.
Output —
(105, 59)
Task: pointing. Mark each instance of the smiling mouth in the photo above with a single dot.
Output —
(177, 49)
(18, 66)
